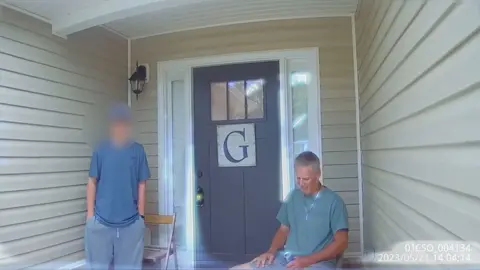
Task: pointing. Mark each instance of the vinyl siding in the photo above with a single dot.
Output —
(420, 108)
(333, 37)
(47, 86)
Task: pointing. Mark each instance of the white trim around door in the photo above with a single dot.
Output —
(175, 124)
(357, 130)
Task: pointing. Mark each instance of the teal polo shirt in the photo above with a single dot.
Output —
(310, 235)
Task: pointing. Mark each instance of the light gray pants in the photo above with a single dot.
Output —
(120, 247)
(281, 263)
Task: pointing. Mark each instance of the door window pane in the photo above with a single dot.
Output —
(254, 94)
(236, 100)
(218, 96)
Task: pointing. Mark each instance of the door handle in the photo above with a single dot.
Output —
(200, 197)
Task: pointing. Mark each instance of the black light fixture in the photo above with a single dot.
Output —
(138, 80)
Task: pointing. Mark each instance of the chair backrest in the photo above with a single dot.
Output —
(164, 220)
(160, 219)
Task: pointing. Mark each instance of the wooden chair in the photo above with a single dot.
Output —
(155, 254)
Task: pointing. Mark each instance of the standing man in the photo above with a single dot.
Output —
(313, 224)
(116, 198)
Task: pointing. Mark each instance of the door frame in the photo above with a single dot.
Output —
(181, 69)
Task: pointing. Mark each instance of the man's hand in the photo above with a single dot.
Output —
(300, 262)
(264, 259)
(278, 241)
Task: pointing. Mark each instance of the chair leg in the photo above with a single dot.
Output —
(176, 260)
(166, 260)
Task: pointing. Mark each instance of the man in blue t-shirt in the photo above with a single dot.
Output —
(116, 198)
(313, 230)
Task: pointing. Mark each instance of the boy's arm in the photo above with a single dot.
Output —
(141, 198)
(93, 176)
(91, 192)
(143, 176)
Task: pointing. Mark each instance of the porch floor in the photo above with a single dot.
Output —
(348, 263)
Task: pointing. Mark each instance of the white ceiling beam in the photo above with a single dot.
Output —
(110, 10)
(23, 11)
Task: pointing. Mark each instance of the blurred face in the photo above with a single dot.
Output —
(120, 130)
(307, 179)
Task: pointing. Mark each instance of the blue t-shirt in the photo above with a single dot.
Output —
(327, 214)
(118, 171)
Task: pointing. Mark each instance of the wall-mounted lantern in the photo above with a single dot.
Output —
(138, 79)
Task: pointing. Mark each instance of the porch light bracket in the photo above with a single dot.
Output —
(138, 79)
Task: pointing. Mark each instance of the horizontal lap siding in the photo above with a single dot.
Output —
(48, 86)
(420, 96)
(333, 38)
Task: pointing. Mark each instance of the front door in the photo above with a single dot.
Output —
(237, 160)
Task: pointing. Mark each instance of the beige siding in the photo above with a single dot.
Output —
(333, 37)
(47, 86)
(420, 106)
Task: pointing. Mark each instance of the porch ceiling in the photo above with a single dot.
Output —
(141, 18)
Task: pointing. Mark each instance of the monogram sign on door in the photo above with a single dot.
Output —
(236, 145)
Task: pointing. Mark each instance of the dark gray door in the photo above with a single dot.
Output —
(237, 157)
